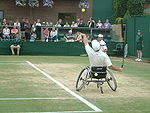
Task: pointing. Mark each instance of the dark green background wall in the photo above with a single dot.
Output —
(102, 9)
(133, 25)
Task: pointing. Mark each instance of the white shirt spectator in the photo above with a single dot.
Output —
(53, 33)
(6, 31)
(98, 59)
(38, 24)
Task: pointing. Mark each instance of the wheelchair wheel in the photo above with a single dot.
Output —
(81, 81)
(111, 80)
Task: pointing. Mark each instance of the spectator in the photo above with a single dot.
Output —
(78, 37)
(99, 24)
(38, 23)
(46, 34)
(51, 24)
(33, 28)
(27, 30)
(53, 35)
(17, 24)
(4, 23)
(81, 23)
(107, 24)
(67, 25)
(6, 33)
(14, 31)
(58, 24)
(102, 43)
(38, 29)
(78, 21)
(33, 37)
(139, 46)
(74, 24)
(22, 28)
(47, 24)
(91, 23)
(69, 37)
(16, 45)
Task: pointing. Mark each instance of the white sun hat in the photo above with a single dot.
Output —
(95, 45)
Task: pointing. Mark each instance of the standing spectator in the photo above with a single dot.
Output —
(81, 23)
(38, 29)
(102, 43)
(91, 23)
(107, 24)
(16, 45)
(67, 25)
(46, 34)
(53, 35)
(27, 30)
(139, 45)
(14, 31)
(33, 28)
(99, 24)
(17, 23)
(22, 28)
(74, 24)
(6, 33)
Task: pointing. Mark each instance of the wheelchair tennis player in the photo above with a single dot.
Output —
(98, 58)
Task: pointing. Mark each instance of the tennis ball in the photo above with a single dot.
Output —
(83, 10)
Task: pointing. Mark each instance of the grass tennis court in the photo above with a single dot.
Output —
(25, 89)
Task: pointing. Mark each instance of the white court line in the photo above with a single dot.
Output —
(66, 112)
(96, 109)
(2, 99)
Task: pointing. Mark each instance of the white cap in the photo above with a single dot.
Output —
(100, 35)
(70, 31)
(95, 45)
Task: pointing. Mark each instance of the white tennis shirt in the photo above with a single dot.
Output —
(98, 59)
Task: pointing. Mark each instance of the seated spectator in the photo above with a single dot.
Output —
(69, 37)
(91, 23)
(46, 34)
(6, 33)
(16, 45)
(33, 27)
(99, 24)
(78, 37)
(81, 23)
(67, 25)
(47, 24)
(38, 23)
(33, 37)
(74, 24)
(17, 24)
(58, 24)
(53, 35)
(14, 31)
(107, 24)
(51, 24)
(4, 23)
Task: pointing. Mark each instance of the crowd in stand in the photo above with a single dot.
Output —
(31, 31)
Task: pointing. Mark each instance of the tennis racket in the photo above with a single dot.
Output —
(124, 54)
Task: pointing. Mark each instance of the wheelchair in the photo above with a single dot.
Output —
(98, 75)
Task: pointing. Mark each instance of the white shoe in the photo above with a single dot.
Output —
(140, 60)
(137, 59)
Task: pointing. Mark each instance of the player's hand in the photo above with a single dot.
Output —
(120, 69)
